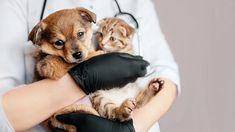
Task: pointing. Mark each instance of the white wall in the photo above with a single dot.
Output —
(201, 34)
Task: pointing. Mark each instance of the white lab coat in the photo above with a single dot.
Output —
(18, 17)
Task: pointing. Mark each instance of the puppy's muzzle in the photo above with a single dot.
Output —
(77, 55)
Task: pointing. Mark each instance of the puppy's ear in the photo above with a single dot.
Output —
(87, 15)
(127, 31)
(36, 34)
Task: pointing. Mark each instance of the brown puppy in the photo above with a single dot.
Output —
(63, 40)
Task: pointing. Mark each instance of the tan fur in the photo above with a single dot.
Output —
(53, 61)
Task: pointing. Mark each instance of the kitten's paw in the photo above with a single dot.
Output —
(156, 84)
(126, 109)
(96, 99)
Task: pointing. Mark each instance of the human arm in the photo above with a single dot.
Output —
(155, 49)
(23, 102)
(151, 112)
(155, 108)
(28, 105)
(41, 99)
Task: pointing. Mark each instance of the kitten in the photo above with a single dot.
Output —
(115, 35)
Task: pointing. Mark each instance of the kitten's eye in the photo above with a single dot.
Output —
(80, 35)
(59, 44)
(112, 39)
(99, 34)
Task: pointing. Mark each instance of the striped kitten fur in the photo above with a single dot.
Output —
(115, 35)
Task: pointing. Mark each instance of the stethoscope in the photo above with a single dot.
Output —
(118, 14)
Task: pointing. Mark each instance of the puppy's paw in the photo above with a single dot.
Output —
(156, 84)
(45, 69)
(52, 67)
(126, 109)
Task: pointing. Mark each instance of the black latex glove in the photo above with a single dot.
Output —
(92, 123)
(108, 70)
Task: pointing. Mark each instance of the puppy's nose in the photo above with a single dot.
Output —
(77, 55)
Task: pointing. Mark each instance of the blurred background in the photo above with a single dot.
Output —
(201, 34)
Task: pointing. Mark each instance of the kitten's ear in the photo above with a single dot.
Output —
(87, 15)
(101, 22)
(127, 31)
(36, 34)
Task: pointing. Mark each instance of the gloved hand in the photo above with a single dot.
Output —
(108, 70)
(92, 123)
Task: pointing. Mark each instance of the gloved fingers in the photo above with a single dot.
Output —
(142, 67)
(75, 118)
(126, 55)
(129, 56)
(58, 130)
(139, 59)
(71, 118)
(144, 63)
(143, 71)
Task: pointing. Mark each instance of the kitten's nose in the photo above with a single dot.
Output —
(77, 55)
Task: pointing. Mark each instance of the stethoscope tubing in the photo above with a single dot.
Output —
(120, 12)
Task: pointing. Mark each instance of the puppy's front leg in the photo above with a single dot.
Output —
(52, 67)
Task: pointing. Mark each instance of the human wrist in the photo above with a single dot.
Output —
(70, 89)
(77, 75)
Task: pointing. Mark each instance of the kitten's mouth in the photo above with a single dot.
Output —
(107, 49)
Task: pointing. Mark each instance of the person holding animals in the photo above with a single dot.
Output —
(24, 105)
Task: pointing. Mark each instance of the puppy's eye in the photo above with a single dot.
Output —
(112, 39)
(59, 44)
(80, 34)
